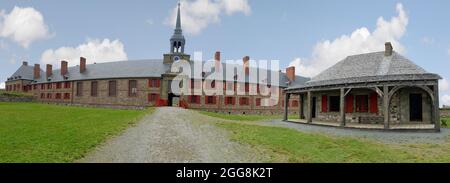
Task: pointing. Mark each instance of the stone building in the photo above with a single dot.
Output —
(143, 83)
(374, 90)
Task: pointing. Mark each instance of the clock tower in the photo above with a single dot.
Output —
(177, 43)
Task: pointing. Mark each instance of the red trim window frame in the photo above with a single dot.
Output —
(230, 101)
(66, 96)
(132, 90)
(362, 103)
(153, 97)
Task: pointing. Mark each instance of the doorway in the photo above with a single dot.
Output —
(313, 110)
(173, 100)
(415, 107)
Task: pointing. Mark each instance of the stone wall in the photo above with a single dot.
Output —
(4, 98)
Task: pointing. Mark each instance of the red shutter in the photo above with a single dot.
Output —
(349, 104)
(233, 101)
(158, 83)
(324, 103)
(150, 83)
(374, 103)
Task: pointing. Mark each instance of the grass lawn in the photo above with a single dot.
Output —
(246, 117)
(288, 145)
(31, 132)
(447, 122)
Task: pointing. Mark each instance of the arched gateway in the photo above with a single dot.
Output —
(380, 90)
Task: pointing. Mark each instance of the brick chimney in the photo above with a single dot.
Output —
(49, 70)
(388, 49)
(290, 73)
(246, 63)
(217, 61)
(63, 68)
(24, 63)
(37, 71)
(82, 64)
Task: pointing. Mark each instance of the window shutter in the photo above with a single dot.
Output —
(150, 83)
(374, 103)
(158, 83)
(233, 101)
(324, 103)
(349, 104)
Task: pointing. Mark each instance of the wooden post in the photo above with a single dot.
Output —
(286, 102)
(437, 117)
(301, 102)
(386, 106)
(342, 106)
(309, 114)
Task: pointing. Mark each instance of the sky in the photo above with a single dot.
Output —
(311, 35)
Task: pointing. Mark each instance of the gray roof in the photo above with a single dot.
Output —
(370, 67)
(133, 69)
(108, 70)
(24, 72)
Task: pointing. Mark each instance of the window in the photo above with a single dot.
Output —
(79, 89)
(34, 87)
(295, 103)
(334, 103)
(42, 95)
(153, 97)
(58, 85)
(42, 87)
(66, 84)
(94, 88)
(247, 87)
(153, 83)
(49, 86)
(194, 99)
(49, 95)
(58, 96)
(258, 102)
(229, 101)
(66, 96)
(112, 88)
(244, 101)
(213, 84)
(132, 88)
(210, 100)
(361, 103)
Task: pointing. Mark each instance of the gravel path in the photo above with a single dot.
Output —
(172, 135)
(381, 136)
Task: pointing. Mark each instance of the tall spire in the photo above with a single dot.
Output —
(178, 25)
(177, 41)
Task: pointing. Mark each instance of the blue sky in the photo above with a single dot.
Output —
(311, 35)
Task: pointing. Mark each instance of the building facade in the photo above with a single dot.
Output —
(374, 90)
(143, 83)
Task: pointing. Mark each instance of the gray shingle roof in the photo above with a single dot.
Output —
(108, 70)
(24, 72)
(370, 67)
(132, 69)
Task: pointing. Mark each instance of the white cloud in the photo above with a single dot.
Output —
(196, 15)
(94, 50)
(428, 40)
(2, 85)
(327, 53)
(23, 25)
(443, 85)
(445, 100)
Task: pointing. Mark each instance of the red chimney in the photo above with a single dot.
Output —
(217, 60)
(290, 73)
(246, 60)
(82, 64)
(48, 70)
(63, 67)
(37, 71)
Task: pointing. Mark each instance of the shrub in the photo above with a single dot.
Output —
(444, 123)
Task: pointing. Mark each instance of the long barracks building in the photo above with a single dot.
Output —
(141, 83)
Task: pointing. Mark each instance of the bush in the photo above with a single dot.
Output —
(444, 123)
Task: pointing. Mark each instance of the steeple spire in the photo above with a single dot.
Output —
(177, 41)
(178, 25)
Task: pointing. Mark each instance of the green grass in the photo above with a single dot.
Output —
(288, 145)
(31, 132)
(246, 117)
(447, 123)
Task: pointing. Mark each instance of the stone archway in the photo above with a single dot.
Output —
(411, 114)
